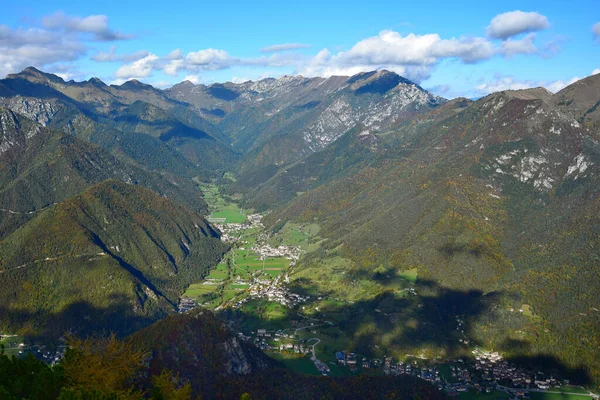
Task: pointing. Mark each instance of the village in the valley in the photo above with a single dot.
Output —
(254, 270)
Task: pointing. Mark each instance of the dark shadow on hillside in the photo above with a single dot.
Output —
(546, 364)
(79, 319)
(436, 318)
(195, 346)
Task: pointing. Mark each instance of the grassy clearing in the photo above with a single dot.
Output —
(411, 275)
(570, 389)
(201, 292)
(305, 236)
(494, 395)
(558, 396)
(217, 275)
(296, 363)
(248, 264)
(238, 286)
(230, 176)
(220, 206)
(11, 345)
(232, 214)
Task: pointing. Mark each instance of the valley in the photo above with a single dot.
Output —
(357, 227)
(298, 317)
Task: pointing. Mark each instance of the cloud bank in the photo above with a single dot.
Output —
(59, 39)
(513, 23)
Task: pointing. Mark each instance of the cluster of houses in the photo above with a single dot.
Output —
(484, 375)
(229, 231)
(49, 356)
(264, 340)
(264, 251)
(493, 368)
(272, 291)
(353, 362)
(186, 304)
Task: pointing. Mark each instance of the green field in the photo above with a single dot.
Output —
(494, 395)
(410, 275)
(220, 206)
(559, 396)
(232, 214)
(296, 363)
(217, 275)
(533, 395)
(250, 263)
(305, 236)
(11, 345)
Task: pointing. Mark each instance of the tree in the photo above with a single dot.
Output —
(164, 387)
(106, 365)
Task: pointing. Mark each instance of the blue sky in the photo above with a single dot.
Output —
(459, 48)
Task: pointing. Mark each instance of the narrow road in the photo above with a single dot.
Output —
(314, 355)
(308, 326)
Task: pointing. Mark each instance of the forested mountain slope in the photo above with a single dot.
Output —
(115, 257)
(501, 197)
(40, 167)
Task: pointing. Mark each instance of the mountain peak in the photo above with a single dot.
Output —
(134, 84)
(35, 75)
(376, 81)
(96, 82)
(582, 98)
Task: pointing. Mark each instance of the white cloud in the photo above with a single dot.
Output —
(237, 79)
(504, 83)
(161, 84)
(20, 48)
(283, 47)
(525, 45)
(112, 56)
(195, 79)
(174, 55)
(210, 59)
(596, 71)
(59, 39)
(557, 86)
(596, 30)
(412, 55)
(93, 24)
(501, 83)
(141, 68)
(172, 67)
(514, 23)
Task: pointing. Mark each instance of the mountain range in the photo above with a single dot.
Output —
(495, 203)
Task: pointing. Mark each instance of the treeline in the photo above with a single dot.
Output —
(93, 369)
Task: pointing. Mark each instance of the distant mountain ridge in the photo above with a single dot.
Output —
(281, 120)
(41, 166)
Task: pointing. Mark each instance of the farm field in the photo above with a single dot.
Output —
(220, 206)
(232, 214)
(296, 363)
(494, 395)
(304, 236)
(559, 396)
(11, 345)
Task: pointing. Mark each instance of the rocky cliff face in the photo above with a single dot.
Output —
(14, 133)
(281, 120)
